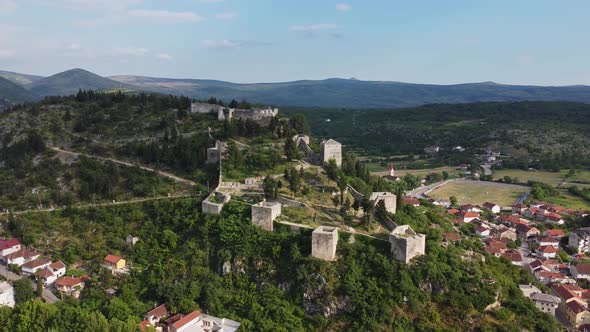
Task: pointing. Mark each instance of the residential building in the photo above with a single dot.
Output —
(526, 232)
(155, 315)
(468, 216)
(546, 251)
(579, 239)
(197, 322)
(528, 290)
(8, 246)
(451, 237)
(555, 233)
(57, 268)
(20, 257)
(548, 241)
(514, 257)
(413, 201)
(546, 303)
(494, 208)
(71, 285)
(581, 271)
(507, 234)
(131, 240)
(114, 263)
(32, 267)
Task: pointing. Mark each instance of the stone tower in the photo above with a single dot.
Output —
(406, 244)
(331, 149)
(265, 213)
(389, 199)
(324, 241)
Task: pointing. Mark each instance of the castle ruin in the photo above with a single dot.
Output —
(214, 203)
(331, 149)
(225, 113)
(215, 153)
(324, 241)
(406, 244)
(265, 213)
(389, 199)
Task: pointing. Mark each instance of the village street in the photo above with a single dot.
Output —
(47, 294)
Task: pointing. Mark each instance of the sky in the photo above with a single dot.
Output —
(537, 42)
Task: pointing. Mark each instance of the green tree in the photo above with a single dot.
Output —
(23, 290)
(291, 149)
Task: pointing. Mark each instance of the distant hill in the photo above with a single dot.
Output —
(335, 92)
(11, 93)
(69, 82)
(355, 93)
(18, 78)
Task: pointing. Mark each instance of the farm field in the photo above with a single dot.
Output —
(476, 192)
(379, 170)
(552, 178)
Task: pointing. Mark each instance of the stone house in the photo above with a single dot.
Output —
(546, 303)
(581, 271)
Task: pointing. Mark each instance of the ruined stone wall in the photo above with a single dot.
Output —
(324, 241)
(211, 208)
(264, 214)
(405, 247)
(205, 108)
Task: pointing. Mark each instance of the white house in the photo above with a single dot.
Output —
(579, 239)
(548, 241)
(546, 251)
(57, 268)
(581, 271)
(21, 257)
(9, 246)
(33, 266)
(6, 294)
(494, 208)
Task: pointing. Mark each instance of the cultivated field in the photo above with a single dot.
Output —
(552, 178)
(418, 172)
(476, 192)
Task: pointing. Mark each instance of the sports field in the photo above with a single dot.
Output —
(479, 192)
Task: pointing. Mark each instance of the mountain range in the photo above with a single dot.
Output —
(332, 92)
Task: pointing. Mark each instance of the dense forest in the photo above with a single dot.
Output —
(542, 134)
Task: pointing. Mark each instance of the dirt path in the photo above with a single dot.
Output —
(128, 164)
(84, 206)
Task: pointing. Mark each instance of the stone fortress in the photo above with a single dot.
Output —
(214, 203)
(406, 244)
(265, 213)
(324, 241)
(223, 113)
(215, 153)
(331, 149)
(389, 199)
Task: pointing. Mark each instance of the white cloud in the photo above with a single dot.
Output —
(313, 27)
(130, 51)
(525, 60)
(4, 54)
(165, 16)
(164, 56)
(221, 44)
(343, 7)
(7, 7)
(226, 16)
(91, 4)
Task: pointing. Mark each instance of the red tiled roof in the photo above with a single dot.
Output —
(173, 319)
(411, 201)
(186, 319)
(5, 244)
(469, 214)
(45, 273)
(547, 249)
(576, 307)
(36, 263)
(57, 265)
(26, 253)
(583, 268)
(112, 259)
(71, 281)
(159, 311)
(493, 250)
(548, 239)
(450, 236)
(512, 256)
(144, 324)
(453, 211)
(555, 232)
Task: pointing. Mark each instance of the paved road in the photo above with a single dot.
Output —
(421, 192)
(125, 163)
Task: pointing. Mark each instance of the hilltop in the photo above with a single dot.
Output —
(13, 93)
(334, 92)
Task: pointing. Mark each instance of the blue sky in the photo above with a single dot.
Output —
(422, 41)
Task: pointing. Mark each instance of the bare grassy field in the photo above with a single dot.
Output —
(474, 192)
